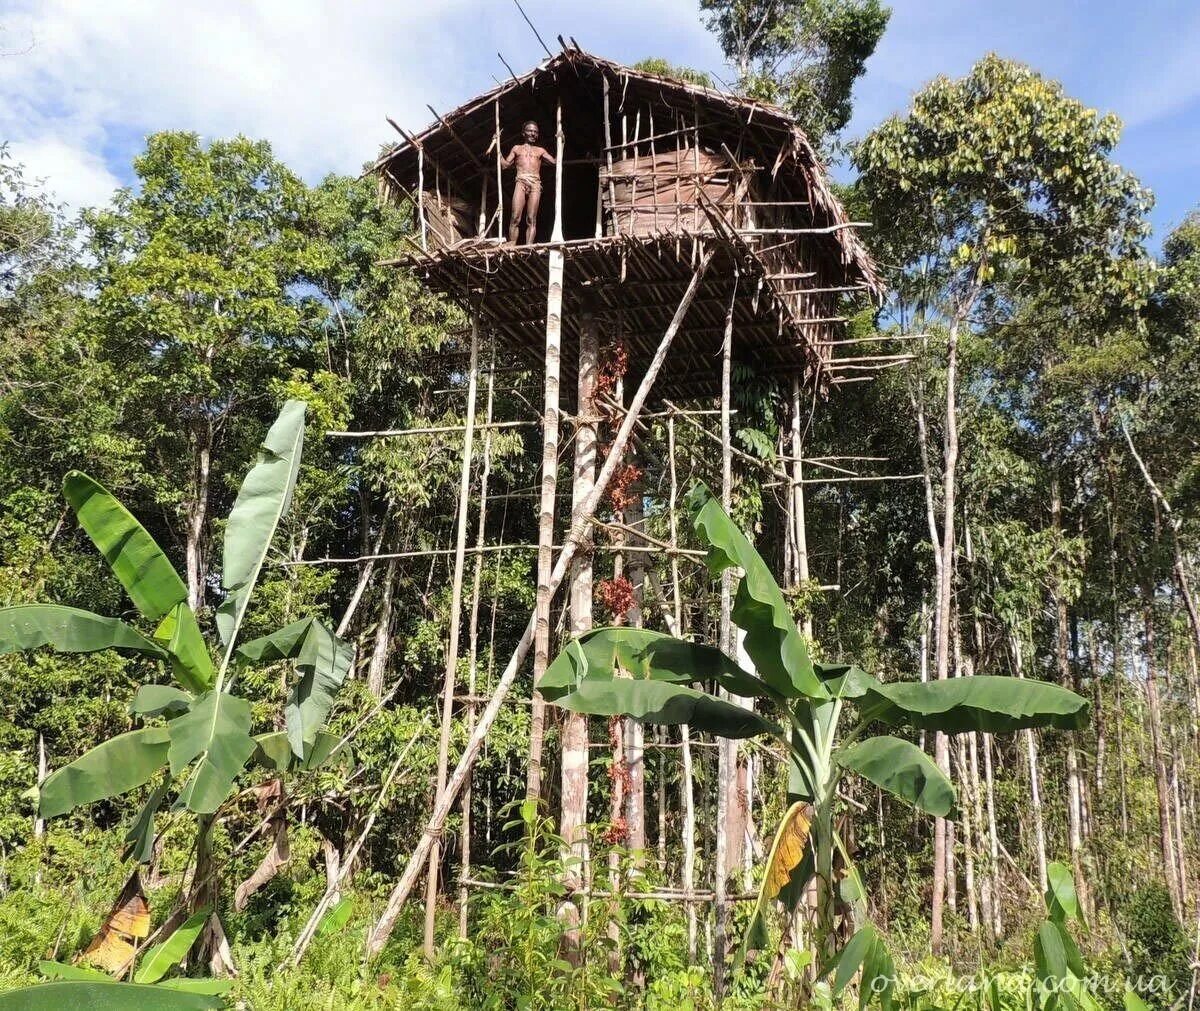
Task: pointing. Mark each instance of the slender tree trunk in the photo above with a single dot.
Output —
(1068, 678)
(941, 853)
(196, 517)
(993, 840)
(1162, 787)
(377, 666)
(635, 746)
(451, 672)
(1035, 788)
(686, 786)
(800, 532)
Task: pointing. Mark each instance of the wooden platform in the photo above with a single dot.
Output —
(632, 286)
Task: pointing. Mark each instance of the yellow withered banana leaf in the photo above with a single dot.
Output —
(787, 854)
(113, 946)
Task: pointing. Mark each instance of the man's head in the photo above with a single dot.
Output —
(530, 132)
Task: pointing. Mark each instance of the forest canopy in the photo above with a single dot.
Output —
(899, 690)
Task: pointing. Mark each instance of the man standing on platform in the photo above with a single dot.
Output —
(527, 191)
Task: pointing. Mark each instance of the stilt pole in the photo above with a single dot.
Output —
(800, 533)
(726, 754)
(575, 725)
(473, 647)
(541, 646)
(460, 547)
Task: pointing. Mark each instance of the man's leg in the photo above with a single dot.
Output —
(531, 213)
(518, 211)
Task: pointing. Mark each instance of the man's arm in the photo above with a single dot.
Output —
(508, 161)
(547, 155)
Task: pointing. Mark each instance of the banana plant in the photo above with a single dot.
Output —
(204, 740)
(822, 714)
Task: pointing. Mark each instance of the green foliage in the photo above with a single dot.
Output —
(802, 54)
(1158, 944)
(615, 671)
(998, 177)
(664, 68)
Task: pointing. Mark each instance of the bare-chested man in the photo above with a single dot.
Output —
(527, 191)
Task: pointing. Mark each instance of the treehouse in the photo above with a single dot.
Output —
(652, 175)
(685, 231)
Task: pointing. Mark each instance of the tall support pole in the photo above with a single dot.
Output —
(387, 920)
(575, 725)
(635, 741)
(800, 536)
(421, 196)
(686, 787)
(726, 749)
(460, 549)
(499, 177)
(473, 640)
(541, 643)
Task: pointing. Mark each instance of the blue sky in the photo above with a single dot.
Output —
(81, 86)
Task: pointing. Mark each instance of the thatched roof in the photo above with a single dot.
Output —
(458, 145)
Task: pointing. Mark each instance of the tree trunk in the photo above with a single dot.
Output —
(473, 644)
(993, 840)
(942, 854)
(1035, 788)
(635, 746)
(1162, 787)
(1068, 677)
(195, 518)
(383, 634)
(686, 787)
(800, 532)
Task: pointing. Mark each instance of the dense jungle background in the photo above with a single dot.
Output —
(151, 343)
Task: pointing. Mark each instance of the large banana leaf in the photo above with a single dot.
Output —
(215, 730)
(991, 704)
(97, 996)
(117, 766)
(664, 704)
(189, 655)
(1062, 903)
(772, 641)
(784, 861)
(865, 951)
(155, 700)
(323, 661)
(272, 751)
(263, 499)
(903, 769)
(136, 560)
(164, 956)
(647, 655)
(69, 630)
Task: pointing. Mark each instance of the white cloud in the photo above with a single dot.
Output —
(81, 86)
(71, 175)
(316, 80)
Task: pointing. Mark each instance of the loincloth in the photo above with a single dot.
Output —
(531, 182)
